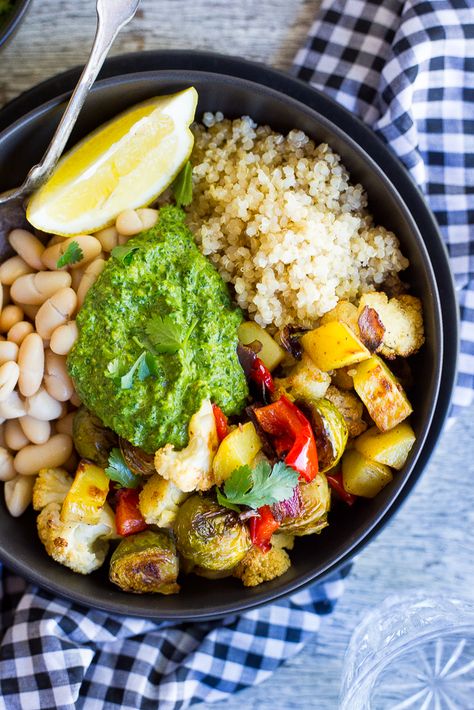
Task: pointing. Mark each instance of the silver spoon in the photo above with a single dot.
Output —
(112, 15)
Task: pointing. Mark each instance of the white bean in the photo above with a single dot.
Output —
(10, 315)
(148, 217)
(63, 338)
(19, 331)
(9, 373)
(128, 223)
(66, 424)
(56, 239)
(7, 470)
(34, 289)
(42, 406)
(12, 269)
(37, 431)
(108, 238)
(18, 494)
(8, 351)
(56, 379)
(13, 406)
(56, 311)
(14, 435)
(90, 247)
(91, 275)
(28, 247)
(54, 452)
(31, 362)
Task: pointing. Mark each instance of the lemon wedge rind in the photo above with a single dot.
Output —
(126, 163)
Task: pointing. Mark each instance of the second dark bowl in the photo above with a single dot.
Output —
(316, 556)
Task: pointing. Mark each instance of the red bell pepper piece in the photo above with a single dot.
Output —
(263, 527)
(128, 518)
(221, 422)
(288, 424)
(261, 375)
(337, 485)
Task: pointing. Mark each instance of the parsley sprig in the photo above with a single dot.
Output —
(144, 366)
(262, 485)
(118, 471)
(183, 186)
(72, 255)
(166, 336)
(124, 253)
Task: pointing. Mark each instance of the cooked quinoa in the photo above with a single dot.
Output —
(281, 221)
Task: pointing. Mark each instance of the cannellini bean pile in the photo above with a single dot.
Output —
(38, 305)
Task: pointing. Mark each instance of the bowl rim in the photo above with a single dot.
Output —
(415, 470)
(13, 20)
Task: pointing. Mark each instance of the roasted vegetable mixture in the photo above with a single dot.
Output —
(325, 421)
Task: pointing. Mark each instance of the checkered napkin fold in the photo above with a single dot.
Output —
(404, 68)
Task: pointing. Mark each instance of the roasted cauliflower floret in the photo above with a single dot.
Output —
(79, 546)
(258, 566)
(304, 381)
(160, 500)
(351, 409)
(402, 318)
(191, 468)
(51, 486)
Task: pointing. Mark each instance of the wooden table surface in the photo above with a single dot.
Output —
(428, 546)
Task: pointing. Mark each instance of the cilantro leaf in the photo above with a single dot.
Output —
(118, 471)
(145, 366)
(72, 255)
(260, 486)
(183, 186)
(124, 253)
(166, 336)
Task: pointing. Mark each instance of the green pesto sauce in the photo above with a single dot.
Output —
(167, 275)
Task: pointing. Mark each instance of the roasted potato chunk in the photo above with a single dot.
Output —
(87, 495)
(237, 449)
(271, 353)
(363, 477)
(390, 447)
(381, 393)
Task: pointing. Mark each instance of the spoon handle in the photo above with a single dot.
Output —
(112, 15)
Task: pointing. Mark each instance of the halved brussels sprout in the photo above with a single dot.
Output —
(139, 462)
(330, 431)
(146, 562)
(209, 536)
(92, 439)
(316, 501)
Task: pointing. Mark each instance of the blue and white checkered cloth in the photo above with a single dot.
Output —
(406, 69)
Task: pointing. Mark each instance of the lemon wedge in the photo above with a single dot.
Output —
(125, 163)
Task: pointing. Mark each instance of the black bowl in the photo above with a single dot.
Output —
(10, 23)
(270, 97)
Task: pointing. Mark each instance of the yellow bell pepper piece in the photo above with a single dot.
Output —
(87, 495)
(334, 345)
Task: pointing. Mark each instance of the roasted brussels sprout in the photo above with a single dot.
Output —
(92, 439)
(146, 562)
(316, 500)
(209, 536)
(139, 462)
(330, 431)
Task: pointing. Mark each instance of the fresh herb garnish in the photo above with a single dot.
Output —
(262, 485)
(183, 186)
(118, 471)
(72, 255)
(166, 336)
(124, 253)
(144, 366)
